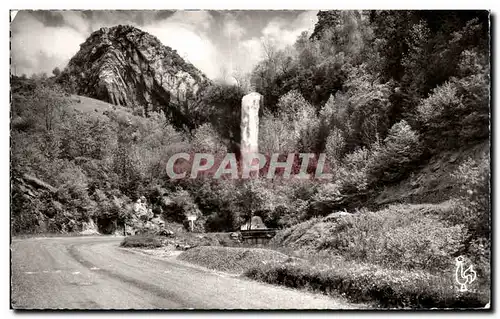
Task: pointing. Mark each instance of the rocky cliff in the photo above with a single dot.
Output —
(125, 66)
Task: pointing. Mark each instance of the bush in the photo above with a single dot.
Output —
(391, 161)
(230, 259)
(397, 237)
(141, 241)
(352, 176)
(276, 135)
(334, 147)
(364, 283)
(207, 140)
(305, 124)
(457, 112)
(474, 211)
(473, 202)
(179, 205)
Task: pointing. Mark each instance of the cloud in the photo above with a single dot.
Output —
(197, 19)
(190, 44)
(186, 32)
(279, 32)
(76, 20)
(39, 48)
(231, 27)
(215, 42)
(282, 32)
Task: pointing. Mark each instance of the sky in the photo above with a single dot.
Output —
(217, 42)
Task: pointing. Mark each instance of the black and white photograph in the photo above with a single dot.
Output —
(250, 159)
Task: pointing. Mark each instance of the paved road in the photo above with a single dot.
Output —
(94, 273)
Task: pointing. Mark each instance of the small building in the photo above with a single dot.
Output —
(254, 224)
(256, 232)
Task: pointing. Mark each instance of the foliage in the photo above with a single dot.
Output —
(141, 242)
(334, 147)
(457, 112)
(223, 108)
(473, 177)
(368, 283)
(276, 135)
(392, 161)
(206, 140)
(301, 119)
(180, 204)
(377, 91)
(398, 237)
(473, 208)
(230, 259)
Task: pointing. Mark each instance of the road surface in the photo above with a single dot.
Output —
(95, 273)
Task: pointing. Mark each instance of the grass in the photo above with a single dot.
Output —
(231, 259)
(181, 238)
(369, 283)
(400, 256)
(400, 236)
(147, 241)
(48, 235)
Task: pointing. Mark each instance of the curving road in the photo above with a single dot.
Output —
(95, 273)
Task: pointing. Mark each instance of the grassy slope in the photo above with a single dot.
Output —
(96, 108)
(432, 183)
(230, 259)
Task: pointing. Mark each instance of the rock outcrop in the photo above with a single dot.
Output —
(125, 66)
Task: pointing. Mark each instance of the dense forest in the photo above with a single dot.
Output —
(380, 92)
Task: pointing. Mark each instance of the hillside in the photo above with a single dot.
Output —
(434, 181)
(52, 195)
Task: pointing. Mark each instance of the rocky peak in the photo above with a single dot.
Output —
(125, 66)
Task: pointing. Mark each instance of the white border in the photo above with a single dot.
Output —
(195, 4)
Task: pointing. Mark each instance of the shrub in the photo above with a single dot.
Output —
(391, 161)
(276, 135)
(230, 259)
(369, 108)
(179, 205)
(474, 211)
(293, 108)
(328, 198)
(335, 143)
(353, 174)
(141, 241)
(397, 237)
(473, 202)
(207, 140)
(457, 112)
(365, 283)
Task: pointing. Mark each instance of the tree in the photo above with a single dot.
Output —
(293, 108)
(56, 71)
(335, 144)
(457, 112)
(50, 104)
(392, 160)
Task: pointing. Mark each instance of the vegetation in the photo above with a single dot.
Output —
(141, 242)
(229, 259)
(383, 93)
(365, 283)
